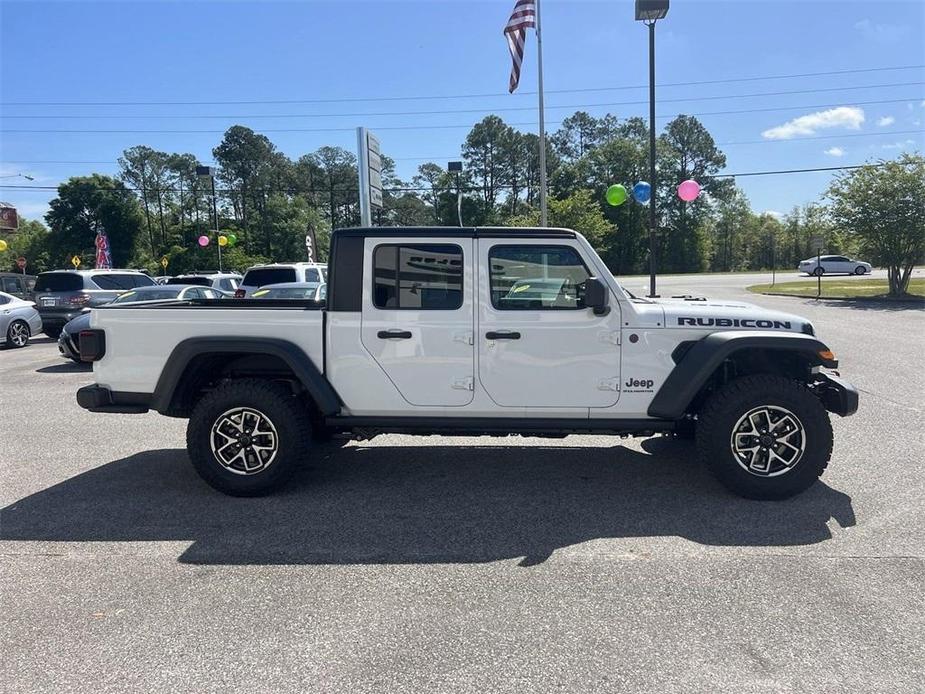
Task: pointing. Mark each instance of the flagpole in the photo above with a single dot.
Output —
(542, 143)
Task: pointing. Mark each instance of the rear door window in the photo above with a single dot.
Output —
(418, 277)
(312, 275)
(271, 275)
(59, 282)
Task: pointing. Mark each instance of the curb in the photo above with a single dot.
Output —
(854, 299)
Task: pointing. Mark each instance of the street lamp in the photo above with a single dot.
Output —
(18, 175)
(650, 11)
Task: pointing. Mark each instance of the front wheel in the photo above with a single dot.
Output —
(17, 335)
(860, 270)
(247, 437)
(765, 437)
(818, 272)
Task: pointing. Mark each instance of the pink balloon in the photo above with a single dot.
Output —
(689, 190)
(203, 240)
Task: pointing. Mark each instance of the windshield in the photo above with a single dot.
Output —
(159, 294)
(286, 293)
(269, 275)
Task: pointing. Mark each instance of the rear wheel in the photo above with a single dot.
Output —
(247, 437)
(819, 272)
(765, 437)
(17, 334)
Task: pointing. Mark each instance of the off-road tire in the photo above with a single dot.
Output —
(14, 332)
(277, 404)
(722, 411)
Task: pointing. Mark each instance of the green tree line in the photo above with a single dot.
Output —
(157, 206)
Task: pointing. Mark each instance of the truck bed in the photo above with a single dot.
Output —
(140, 339)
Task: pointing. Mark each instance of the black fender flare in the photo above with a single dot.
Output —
(302, 366)
(706, 355)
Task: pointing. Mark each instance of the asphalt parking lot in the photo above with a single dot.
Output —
(434, 564)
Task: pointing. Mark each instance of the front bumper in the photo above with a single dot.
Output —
(97, 398)
(67, 348)
(838, 396)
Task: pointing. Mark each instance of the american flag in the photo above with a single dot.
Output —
(522, 18)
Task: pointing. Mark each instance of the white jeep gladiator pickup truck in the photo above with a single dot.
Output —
(486, 331)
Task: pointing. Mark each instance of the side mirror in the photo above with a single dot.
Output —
(597, 296)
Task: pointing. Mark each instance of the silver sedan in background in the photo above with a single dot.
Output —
(18, 321)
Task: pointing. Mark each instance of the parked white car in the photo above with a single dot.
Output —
(225, 281)
(834, 265)
(19, 320)
(310, 291)
(278, 273)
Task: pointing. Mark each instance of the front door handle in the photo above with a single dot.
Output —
(502, 335)
(394, 334)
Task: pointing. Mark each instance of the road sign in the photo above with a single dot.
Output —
(21, 263)
(369, 170)
(817, 243)
(164, 262)
(75, 261)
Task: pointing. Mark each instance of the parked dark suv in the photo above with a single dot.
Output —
(60, 295)
(17, 284)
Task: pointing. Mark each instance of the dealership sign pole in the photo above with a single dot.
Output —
(369, 170)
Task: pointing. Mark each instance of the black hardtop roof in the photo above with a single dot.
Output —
(462, 232)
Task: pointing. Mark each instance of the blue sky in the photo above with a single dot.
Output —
(356, 51)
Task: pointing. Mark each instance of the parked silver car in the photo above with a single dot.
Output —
(19, 320)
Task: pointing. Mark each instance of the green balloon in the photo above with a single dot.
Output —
(616, 195)
(232, 239)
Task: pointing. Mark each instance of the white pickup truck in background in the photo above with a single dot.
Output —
(472, 331)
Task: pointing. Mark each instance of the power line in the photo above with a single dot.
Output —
(295, 191)
(423, 97)
(449, 111)
(450, 156)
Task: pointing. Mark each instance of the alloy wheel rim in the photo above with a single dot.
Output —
(768, 441)
(244, 441)
(18, 334)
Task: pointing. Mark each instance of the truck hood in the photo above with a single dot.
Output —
(721, 315)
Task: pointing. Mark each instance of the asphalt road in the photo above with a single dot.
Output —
(476, 565)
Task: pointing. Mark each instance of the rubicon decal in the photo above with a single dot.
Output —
(735, 323)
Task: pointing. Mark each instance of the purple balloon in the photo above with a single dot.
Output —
(689, 190)
(203, 240)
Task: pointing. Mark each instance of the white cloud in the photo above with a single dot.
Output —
(774, 213)
(835, 152)
(898, 145)
(885, 121)
(882, 33)
(850, 117)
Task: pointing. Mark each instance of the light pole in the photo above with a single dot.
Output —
(649, 12)
(208, 172)
(456, 167)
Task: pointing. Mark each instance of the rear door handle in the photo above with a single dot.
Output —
(394, 334)
(502, 335)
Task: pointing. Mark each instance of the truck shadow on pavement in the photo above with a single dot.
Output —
(371, 504)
